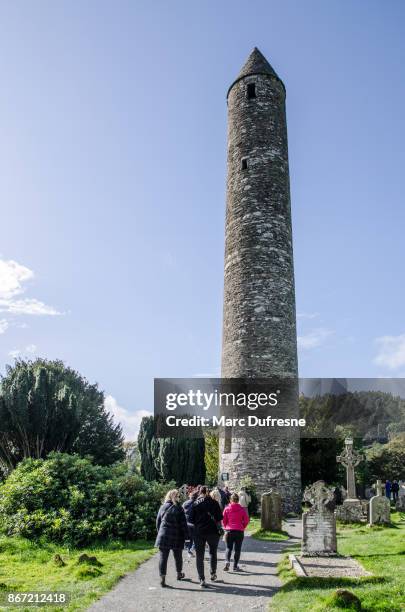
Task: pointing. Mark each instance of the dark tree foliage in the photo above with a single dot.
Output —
(387, 460)
(148, 446)
(165, 459)
(46, 406)
(369, 415)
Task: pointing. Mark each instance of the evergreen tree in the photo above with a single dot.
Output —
(212, 456)
(45, 407)
(180, 459)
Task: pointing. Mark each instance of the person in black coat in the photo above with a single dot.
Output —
(206, 517)
(172, 531)
(187, 511)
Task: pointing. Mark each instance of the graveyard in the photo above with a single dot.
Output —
(379, 550)
(351, 555)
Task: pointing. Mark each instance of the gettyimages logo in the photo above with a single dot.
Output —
(187, 407)
(205, 400)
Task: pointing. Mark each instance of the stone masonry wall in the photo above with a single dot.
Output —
(259, 324)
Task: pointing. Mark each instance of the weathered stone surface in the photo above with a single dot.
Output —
(351, 511)
(319, 523)
(350, 458)
(259, 321)
(271, 511)
(379, 510)
(400, 504)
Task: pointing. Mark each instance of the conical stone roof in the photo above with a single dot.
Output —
(256, 63)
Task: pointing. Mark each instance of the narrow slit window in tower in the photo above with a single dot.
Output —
(228, 440)
(251, 91)
(244, 163)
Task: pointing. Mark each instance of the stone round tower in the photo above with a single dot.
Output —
(259, 323)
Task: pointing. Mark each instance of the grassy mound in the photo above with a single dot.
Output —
(258, 533)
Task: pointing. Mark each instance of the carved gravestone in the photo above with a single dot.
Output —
(379, 508)
(271, 512)
(400, 505)
(319, 523)
(351, 510)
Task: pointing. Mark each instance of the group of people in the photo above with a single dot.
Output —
(201, 521)
(392, 488)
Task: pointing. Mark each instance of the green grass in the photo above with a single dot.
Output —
(381, 550)
(29, 566)
(258, 533)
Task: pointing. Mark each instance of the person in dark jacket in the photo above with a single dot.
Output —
(224, 498)
(187, 510)
(206, 517)
(395, 490)
(337, 494)
(172, 531)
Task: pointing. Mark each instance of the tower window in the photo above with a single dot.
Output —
(251, 91)
(244, 163)
(228, 440)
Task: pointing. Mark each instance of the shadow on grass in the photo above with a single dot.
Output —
(329, 583)
(365, 556)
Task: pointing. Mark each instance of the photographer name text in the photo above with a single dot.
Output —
(222, 421)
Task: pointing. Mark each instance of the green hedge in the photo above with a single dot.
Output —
(68, 499)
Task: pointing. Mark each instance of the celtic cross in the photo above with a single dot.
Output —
(350, 458)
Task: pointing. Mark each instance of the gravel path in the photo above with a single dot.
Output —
(248, 590)
(332, 567)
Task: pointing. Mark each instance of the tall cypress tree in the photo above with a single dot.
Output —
(165, 459)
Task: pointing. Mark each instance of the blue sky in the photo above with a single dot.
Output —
(113, 162)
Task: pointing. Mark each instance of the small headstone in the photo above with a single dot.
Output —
(380, 508)
(271, 512)
(319, 523)
(351, 511)
(400, 504)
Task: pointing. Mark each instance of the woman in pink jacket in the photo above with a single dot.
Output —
(235, 521)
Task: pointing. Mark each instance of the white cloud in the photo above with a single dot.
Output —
(130, 421)
(3, 325)
(391, 351)
(28, 306)
(12, 278)
(307, 315)
(12, 275)
(314, 338)
(28, 351)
